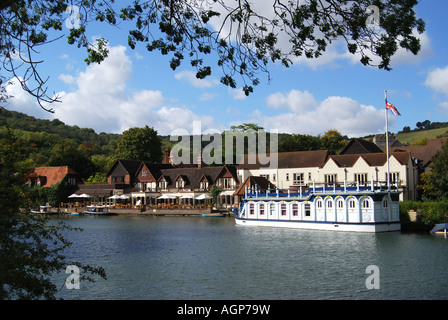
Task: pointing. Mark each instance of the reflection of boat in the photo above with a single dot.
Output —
(97, 211)
(441, 228)
(213, 214)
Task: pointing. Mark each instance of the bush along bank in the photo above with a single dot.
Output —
(428, 214)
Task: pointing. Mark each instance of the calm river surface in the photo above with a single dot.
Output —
(212, 258)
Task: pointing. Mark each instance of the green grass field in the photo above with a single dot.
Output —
(412, 137)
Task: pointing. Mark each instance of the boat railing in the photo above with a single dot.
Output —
(254, 193)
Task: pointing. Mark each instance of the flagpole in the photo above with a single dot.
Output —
(387, 144)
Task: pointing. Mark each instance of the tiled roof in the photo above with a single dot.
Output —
(261, 183)
(96, 189)
(193, 176)
(49, 176)
(423, 153)
(358, 146)
(296, 159)
(373, 159)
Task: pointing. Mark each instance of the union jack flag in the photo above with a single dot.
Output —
(390, 106)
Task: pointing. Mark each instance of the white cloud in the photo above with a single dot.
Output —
(101, 100)
(307, 116)
(402, 56)
(207, 96)
(237, 94)
(295, 100)
(190, 77)
(335, 53)
(437, 80)
(21, 101)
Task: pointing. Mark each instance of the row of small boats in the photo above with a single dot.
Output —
(104, 211)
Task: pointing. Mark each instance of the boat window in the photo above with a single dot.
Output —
(385, 203)
(272, 209)
(340, 203)
(330, 204)
(283, 209)
(307, 210)
(366, 204)
(352, 204)
(295, 209)
(262, 209)
(252, 209)
(319, 203)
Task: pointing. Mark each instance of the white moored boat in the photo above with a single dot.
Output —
(357, 209)
(97, 211)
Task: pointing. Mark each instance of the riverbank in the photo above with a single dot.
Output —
(149, 212)
(410, 221)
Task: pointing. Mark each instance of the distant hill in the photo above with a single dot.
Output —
(23, 122)
(412, 137)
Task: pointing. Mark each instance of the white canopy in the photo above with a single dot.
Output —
(84, 195)
(166, 196)
(115, 196)
(203, 196)
(123, 197)
(187, 196)
(73, 196)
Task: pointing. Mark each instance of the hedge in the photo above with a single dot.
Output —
(428, 213)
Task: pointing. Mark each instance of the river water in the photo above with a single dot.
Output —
(187, 258)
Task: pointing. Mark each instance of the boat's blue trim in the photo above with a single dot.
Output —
(320, 222)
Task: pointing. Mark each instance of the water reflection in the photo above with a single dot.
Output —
(208, 258)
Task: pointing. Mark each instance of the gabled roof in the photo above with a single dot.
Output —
(130, 166)
(423, 153)
(195, 175)
(360, 146)
(261, 183)
(154, 169)
(373, 159)
(184, 178)
(227, 171)
(49, 176)
(295, 159)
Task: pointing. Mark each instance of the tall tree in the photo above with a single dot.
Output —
(140, 144)
(300, 142)
(67, 153)
(31, 249)
(333, 141)
(435, 183)
(244, 36)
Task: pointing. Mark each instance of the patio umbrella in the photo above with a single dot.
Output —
(203, 196)
(73, 196)
(123, 197)
(187, 196)
(115, 196)
(166, 196)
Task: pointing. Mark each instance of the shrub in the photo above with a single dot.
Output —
(429, 213)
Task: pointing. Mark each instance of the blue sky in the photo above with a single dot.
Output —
(134, 88)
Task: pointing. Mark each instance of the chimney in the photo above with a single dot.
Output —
(200, 162)
(166, 160)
